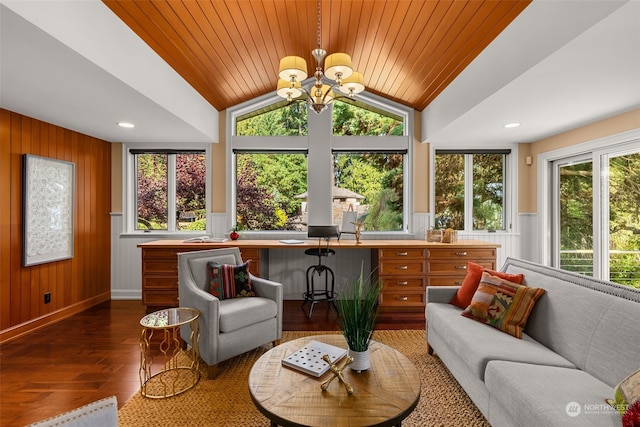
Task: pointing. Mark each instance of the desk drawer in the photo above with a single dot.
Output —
(458, 268)
(394, 267)
(396, 300)
(401, 253)
(160, 298)
(160, 265)
(397, 283)
(462, 253)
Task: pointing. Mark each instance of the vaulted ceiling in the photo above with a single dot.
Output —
(172, 66)
(229, 51)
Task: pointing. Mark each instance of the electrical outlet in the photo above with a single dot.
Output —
(47, 297)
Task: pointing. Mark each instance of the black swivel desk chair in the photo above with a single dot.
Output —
(328, 294)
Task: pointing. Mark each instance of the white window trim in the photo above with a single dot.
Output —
(315, 144)
(129, 186)
(597, 148)
(510, 179)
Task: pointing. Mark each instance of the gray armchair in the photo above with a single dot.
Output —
(228, 327)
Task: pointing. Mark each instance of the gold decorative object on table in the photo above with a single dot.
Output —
(180, 371)
(336, 370)
(359, 226)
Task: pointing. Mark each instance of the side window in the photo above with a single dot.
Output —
(470, 190)
(170, 190)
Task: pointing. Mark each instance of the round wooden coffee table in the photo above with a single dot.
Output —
(384, 395)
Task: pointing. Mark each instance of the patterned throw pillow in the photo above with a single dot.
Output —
(230, 281)
(465, 292)
(626, 393)
(502, 304)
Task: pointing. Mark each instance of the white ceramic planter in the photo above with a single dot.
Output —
(360, 360)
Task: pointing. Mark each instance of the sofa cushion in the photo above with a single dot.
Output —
(479, 343)
(538, 395)
(502, 304)
(237, 313)
(465, 292)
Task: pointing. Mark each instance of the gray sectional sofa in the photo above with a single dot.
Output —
(581, 339)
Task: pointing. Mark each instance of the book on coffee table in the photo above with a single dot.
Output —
(309, 358)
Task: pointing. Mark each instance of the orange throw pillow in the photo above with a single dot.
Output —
(463, 297)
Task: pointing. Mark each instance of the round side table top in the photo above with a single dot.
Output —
(384, 395)
(169, 317)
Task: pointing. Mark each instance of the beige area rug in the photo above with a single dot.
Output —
(225, 401)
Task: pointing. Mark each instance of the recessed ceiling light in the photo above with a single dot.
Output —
(126, 125)
(512, 125)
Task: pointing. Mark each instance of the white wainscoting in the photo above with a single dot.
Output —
(531, 239)
(509, 244)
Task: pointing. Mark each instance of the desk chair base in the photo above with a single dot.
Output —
(314, 296)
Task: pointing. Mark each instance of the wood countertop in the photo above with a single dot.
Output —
(312, 242)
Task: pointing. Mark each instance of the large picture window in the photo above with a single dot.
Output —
(169, 190)
(292, 167)
(470, 189)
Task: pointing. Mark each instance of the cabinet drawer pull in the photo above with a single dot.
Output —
(461, 267)
(458, 282)
(463, 253)
(402, 267)
(402, 253)
(402, 298)
(404, 283)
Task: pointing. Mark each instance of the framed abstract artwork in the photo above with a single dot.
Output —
(47, 205)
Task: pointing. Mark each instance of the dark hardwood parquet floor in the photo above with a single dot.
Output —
(95, 354)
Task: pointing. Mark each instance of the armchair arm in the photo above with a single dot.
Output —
(441, 294)
(272, 290)
(208, 305)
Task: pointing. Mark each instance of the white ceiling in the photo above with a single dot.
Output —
(559, 65)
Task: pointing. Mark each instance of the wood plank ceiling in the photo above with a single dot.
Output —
(229, 50)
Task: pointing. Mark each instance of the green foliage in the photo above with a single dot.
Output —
(358, 308)
(576, 218)
(488, 191)
(266, 188)
(352, 120)
(200, 224)
(379, 178)
(289, 120)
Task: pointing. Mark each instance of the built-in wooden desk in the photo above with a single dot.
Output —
(406, 267)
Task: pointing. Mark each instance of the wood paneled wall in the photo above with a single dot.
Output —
(77, 283)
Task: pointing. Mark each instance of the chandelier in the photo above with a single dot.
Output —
(337, 67)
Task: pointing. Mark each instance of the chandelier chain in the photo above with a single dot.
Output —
(319, 26)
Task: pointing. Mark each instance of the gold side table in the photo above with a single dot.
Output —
(181, 370)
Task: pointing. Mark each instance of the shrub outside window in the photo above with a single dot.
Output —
(170, 190)
(470, 189)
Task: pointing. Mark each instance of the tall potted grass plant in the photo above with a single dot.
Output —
(358, 309)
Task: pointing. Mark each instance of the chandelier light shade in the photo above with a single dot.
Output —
(293, 68)
(337, 68)
(352, 84)
(287, 91)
